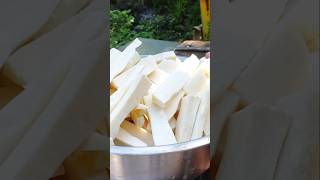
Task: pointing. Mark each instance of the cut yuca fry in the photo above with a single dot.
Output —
(201, 115)
(142, 68)
(152, 89)
(116, 97)
(128, 102)
(173, 123)
(128, 139)
(158, 76)
(140, 133)
(168, 66)
(148, 127)
(187, 117)
(147, 100)
(197, 82)
(137, 115)
(165, 55)
(117, 66)
(135, 59)
(190, 64)
(202, 59)
(205, 64)
(168, 89)
(139, 120)
(146, 121)
(161, 131)
(115, 55)
(175, 82)
(122, 78)
(142, 107)
(169, 55)
(173, 105)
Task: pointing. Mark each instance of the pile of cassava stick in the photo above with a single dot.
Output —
(157, 99)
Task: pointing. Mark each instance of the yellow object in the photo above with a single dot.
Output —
(205, 18)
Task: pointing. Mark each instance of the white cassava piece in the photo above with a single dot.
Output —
(175, 81)
(161, 130)
(187, 117)
(168, 66)
(128, 102)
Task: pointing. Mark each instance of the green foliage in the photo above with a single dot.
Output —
(164, 28)
(121, 24)
(172, 20)
(178, 9)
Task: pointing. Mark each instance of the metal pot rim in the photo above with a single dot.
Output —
(125, 150)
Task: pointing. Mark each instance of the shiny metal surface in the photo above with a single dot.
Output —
(178, 161)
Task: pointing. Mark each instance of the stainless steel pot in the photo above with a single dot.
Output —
(177, 161)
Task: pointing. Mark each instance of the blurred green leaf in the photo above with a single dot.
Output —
(172, 20)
